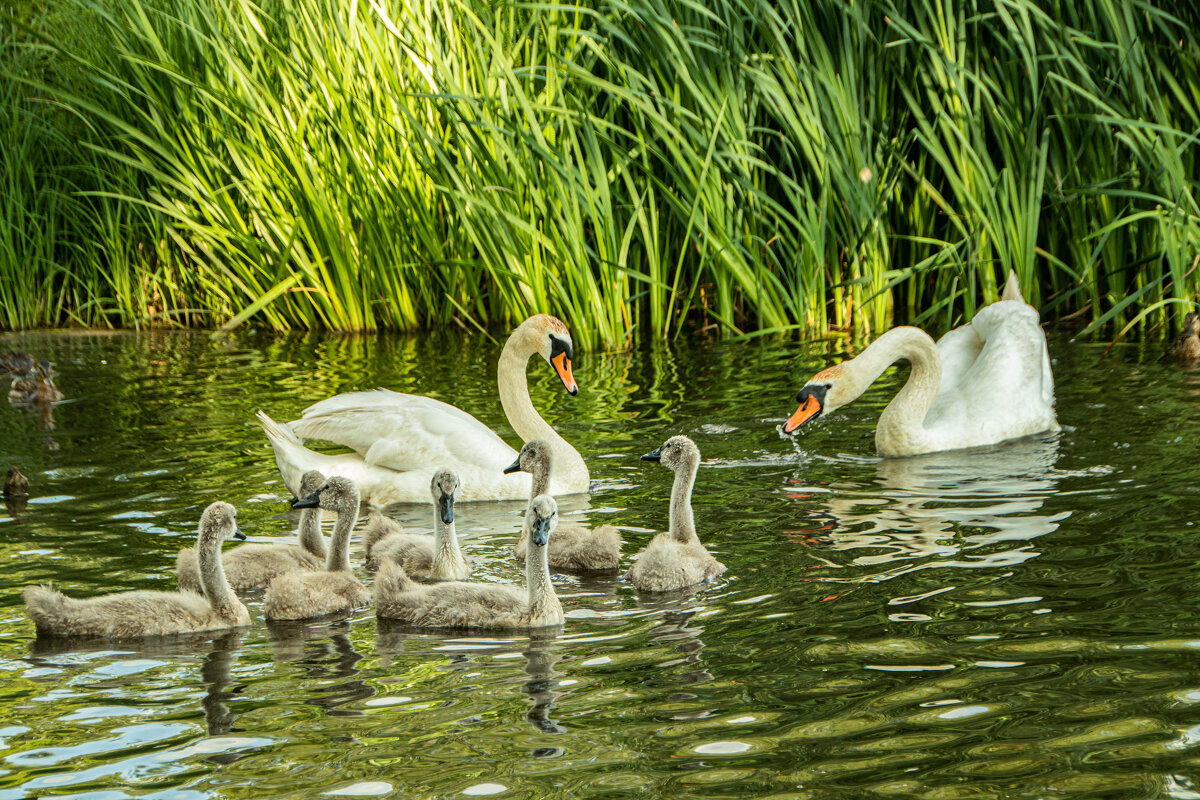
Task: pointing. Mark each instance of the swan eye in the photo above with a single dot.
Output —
(558, 346)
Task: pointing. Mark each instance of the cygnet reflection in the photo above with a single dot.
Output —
(325, 653)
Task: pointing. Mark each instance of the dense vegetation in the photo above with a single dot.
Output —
(635, 165)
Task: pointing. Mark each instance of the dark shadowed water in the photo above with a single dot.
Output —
(1019, 621)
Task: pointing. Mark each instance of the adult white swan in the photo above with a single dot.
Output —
(983, 383)
(400, 440)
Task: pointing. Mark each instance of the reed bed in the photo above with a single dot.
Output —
(632, 165)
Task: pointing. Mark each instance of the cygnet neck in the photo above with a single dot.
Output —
(543, 602)
(311, 539)
(445, 540)
(212, 572)
(338, 559)
(540, 473)
(682, 523)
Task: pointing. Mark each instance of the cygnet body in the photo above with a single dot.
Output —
(675, 560)
(334, 590)
(573, 546)
(434, 557)
(476, 605)
(253, 566)
(147, 613)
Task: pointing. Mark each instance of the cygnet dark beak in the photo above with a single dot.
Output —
(237, 534)
(312, 501)
(655, 455)
(513, 467)
(541, 531)
(446, 508)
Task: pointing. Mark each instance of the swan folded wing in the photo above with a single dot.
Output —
(958, 349)
(403, 431)
(1007, 392)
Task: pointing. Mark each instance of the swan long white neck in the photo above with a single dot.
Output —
(902, 423)
(544, 606)
(518, 408)
(339, 546)
(212, 574)
(682, 524)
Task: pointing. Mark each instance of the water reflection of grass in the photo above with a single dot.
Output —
(747, 164)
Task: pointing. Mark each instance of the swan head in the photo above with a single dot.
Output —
(676, 452)
(310, 482)
(549, 337)
(220, 520)
(535, 455)
(824, 393)
(443, 488)
(335, 494)
(545, 519)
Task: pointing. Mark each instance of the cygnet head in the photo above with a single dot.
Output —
(444, 487)
(544, 520)
(534, 455)
(549, 337)
(676, 452)
(220, 519)
(336, 494)
(311, 481)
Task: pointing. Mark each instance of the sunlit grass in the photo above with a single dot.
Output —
(636, 166)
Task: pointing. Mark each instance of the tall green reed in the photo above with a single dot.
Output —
(633, 165)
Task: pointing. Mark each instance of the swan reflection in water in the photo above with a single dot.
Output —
(326, 654)
(216, 668)
(958, 509)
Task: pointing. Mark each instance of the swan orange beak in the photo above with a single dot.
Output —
(812, 402)
(562, 365)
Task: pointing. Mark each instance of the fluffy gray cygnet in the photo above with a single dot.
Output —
(676, 559)
(478, 605)
(147, 613)
(574, 546)
(335, 589)
(253, 566)
(435, 558)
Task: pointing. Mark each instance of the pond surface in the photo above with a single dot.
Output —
(1018, 621)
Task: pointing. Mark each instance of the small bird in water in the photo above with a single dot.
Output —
(16, 493)
(1187, 348)
(44, 389)
(15, 484)
(33, 381)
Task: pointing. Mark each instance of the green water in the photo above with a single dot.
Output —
(1012, 622)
